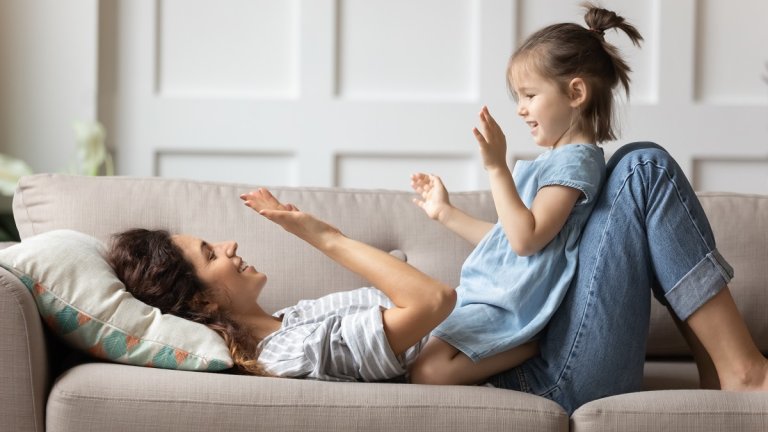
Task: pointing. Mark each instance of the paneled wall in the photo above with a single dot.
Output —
(360, 93)
(48, 78)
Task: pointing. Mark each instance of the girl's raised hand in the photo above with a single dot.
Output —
(434, 197)
(493, 143)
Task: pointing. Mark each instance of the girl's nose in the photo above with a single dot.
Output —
(521, 110)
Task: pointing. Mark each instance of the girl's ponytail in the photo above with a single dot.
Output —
(598, 21)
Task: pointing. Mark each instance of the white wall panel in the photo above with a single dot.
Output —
(267, 169)
(372, 90)
(404, 50)
(733, 50)
(534, 15)
(393, 171)
(239, 48)
(737, 174)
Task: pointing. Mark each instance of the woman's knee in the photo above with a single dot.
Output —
(639, 152)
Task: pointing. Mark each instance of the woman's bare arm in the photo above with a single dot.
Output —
(421, 302)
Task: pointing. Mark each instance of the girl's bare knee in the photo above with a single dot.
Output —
(429, 372)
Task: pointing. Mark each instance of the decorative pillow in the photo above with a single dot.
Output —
(82, 300)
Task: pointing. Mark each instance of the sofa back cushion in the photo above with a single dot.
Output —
(101, 206)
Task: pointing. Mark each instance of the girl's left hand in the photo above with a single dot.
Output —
(493, 143)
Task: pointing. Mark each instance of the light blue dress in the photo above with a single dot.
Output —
(505, 300)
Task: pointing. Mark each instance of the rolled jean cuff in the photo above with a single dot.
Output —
(706, 279)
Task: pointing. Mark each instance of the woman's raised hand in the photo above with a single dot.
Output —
(288, 216)
(262, 199)
(434, 197)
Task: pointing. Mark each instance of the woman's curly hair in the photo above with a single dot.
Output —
(154, 270)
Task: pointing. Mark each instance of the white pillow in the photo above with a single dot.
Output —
(82, 300)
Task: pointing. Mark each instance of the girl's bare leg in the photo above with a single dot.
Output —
(440, 363)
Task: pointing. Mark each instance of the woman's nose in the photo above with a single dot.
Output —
(229, 248)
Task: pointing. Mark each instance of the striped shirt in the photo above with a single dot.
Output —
(339, 337)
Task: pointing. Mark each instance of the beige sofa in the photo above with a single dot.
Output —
(44, 386)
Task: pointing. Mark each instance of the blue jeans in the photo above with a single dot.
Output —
(647, 233)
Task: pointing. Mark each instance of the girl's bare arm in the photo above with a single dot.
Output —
(433, 199)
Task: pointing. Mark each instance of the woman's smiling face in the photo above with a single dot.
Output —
(231, 283)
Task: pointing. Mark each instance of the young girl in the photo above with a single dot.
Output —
(562, 78)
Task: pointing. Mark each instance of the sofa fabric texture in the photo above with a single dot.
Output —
(105, 396)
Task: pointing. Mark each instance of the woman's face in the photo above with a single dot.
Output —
(232, 284)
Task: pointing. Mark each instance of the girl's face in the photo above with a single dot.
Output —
(546, 109)
(232, 284)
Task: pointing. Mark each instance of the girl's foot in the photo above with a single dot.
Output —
(754, 378)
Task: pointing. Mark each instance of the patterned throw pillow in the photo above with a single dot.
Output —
(81, 299)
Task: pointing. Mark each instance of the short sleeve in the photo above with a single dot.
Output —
(347, 347)
(577, 166)
(364, 335)
(283, 352)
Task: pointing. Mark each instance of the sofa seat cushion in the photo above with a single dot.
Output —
(675, 410)
(105, 396)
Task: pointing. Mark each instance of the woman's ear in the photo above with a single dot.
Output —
(578, 92)
(201, 304)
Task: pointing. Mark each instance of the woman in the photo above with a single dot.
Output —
(647, 230)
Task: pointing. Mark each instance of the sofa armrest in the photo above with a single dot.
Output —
(24, 371)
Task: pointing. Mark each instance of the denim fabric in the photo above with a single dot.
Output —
(647, 230)
(505, 300)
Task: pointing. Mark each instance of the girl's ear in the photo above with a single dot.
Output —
(578, 92)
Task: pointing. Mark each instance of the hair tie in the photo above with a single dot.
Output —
(601, 33)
